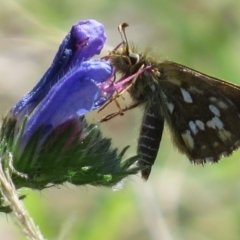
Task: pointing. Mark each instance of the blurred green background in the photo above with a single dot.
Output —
(180, 200)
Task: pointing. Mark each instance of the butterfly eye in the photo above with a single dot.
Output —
(134, 58)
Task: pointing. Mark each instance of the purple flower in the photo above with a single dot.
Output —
(73, 85)
(78, 93)
(85, 40)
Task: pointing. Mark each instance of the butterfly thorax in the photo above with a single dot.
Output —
(145, 87)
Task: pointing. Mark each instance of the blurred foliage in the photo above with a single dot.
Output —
(180, 200)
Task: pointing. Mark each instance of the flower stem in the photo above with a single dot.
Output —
(19, 212)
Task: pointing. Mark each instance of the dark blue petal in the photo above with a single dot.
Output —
(78, 93)
(93, 33)
(85, 39)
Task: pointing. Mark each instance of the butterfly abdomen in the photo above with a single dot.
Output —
(149, 139)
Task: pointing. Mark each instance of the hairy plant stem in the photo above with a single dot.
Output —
(10, 195)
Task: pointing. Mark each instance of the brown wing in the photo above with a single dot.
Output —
(202, 112)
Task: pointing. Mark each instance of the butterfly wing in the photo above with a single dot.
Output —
(203, 112)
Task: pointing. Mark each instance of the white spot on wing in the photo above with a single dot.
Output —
(209, 159)
(223, 154)
(193, 127)
(200, 125)
(153, 87)
(213, 99)
(170, 107)
(214, 123)
(164, 96)
(188, 140)
(224, 135)
(186, 96)
(196, 90)
(222, 105)
(214, 110)
(197, 74)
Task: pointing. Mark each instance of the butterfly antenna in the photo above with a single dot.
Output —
(121, 29)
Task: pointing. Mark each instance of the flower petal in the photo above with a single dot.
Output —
(85, 39)
(77, 93)
(93, 32)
